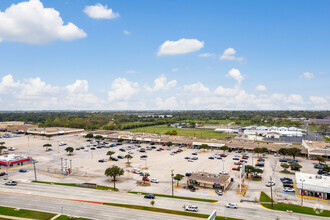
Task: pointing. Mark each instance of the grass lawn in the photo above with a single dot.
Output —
(265, 201)
(65, 217)
(326, 138)
(178, 197)
(24, 213)
(204, 134)
(287, 172)
(74, 185)
(146, 208)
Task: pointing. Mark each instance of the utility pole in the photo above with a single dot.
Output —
(28, 141)
(172, 175)
(35, 172)
(271, 191)
(302, 192)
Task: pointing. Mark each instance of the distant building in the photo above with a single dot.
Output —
(320, 121)
(316, 148)
(273, 131)
(313, 185)
(5, 124)
(14, 160)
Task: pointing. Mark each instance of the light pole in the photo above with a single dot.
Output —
(223, 165)
(271, 191)
(172, 175)
(302, 192)
(35, 172)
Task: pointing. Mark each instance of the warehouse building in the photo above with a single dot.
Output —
(316, 148)
(313, 185)
(14, 160)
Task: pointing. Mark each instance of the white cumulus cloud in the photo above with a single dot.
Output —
(206, 55)
(161, 83)
(122, 89)
(307, 75)
(181, 46)
(126, 32)
(80, 86)
(175, 69)
(30, 22)
(317, 100)
(229, 54)
(235, 74)
(99, 11)
(261, 88)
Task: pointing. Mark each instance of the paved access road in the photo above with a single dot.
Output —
(52, 197)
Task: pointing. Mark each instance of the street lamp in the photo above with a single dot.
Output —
(223, 165)
(302, 191)
(172, 175)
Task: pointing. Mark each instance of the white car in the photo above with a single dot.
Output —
(191, 208)
(190, 160)
(288, 189)
(154, 180)
(223, 172)
(231, 205)
(270, 183)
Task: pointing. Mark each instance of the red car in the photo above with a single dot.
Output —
(234, 168)
(245, 157)
(163, 145)
(223, 155)
(239, 163)
(161, 148)
(145, 179)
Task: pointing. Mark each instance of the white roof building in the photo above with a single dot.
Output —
(313, 183)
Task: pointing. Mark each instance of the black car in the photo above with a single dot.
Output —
(283, 160)
(286, 179)
(143, 156)
(194, 153)
(191, 188)
(113, 158)
(122, 149)
(78, 148)
(260, 159)
(287, 185)
(187, 158)
(102, 161)
(153, 147)
(120, 157)
(188, 174)
(93, 148)
(293, 162)
(149, 196)
(142, 150)
(2, 173)
(319, 166)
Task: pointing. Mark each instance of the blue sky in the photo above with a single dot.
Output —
(257, 55)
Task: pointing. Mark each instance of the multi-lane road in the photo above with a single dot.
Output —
(51, 198)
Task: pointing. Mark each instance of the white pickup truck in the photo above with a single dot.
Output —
(191, 208)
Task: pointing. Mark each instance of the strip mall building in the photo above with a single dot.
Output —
(14, 160)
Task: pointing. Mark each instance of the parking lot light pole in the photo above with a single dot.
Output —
(302, 192)
(35, 172)
(271, 191)
(172, 175)
(223, 165)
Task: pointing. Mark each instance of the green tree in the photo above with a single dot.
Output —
(294, 152)
(283, 151)
(178, 178)
(169, 144)
(49, 136)
(144, 175)
(326, 168)
(285, 166)
(114, 172)
(320, 159)
(152, 203)
(89, 135)
(47, 146)
(205, 147)
(264, 150)
(128, 157)
(257, 150)
(295, 166)
(258, 171)
(2, 148)
(98, 137)
(249, 169)
(69, 150)
(224, 148)
(110, 153)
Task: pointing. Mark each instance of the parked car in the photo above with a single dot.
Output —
(223, 155)
(283, 160)
(231, 205)
(120, 156)
(194, 158)
(219, 158)
(293, 161)
(286, 179)
(191, 208)
(219, 192)
(194, 153)
(113, 158)
(223, 172)
(234, 168)
(2, 173)
(235, 158)
(288, 189)
(188, 174)
(270, 183)
(78, 148)
(142, 150)
(102, 160)
(187, 158)
(145, 179)
(319, 166)
(149, 196)
(190, 160)
(11, 183)
(191, 188)
(211, 158)
(287, 185)
(154, 180)
(245, 157)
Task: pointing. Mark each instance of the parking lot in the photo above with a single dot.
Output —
(87, 168)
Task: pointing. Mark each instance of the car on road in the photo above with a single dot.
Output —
(288, 189)
(149, 196)
(219, 192)
(191, 208)
(11, 183)
(22, 170)
(154, 180)
(2, 173)
(231, 205)
(270, 183)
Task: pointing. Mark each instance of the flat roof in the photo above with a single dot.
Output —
(13, 158)
(209, 178)
(313, 182)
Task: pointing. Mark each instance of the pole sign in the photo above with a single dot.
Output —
(213, 215)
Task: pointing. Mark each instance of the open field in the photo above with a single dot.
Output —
(204, 134)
